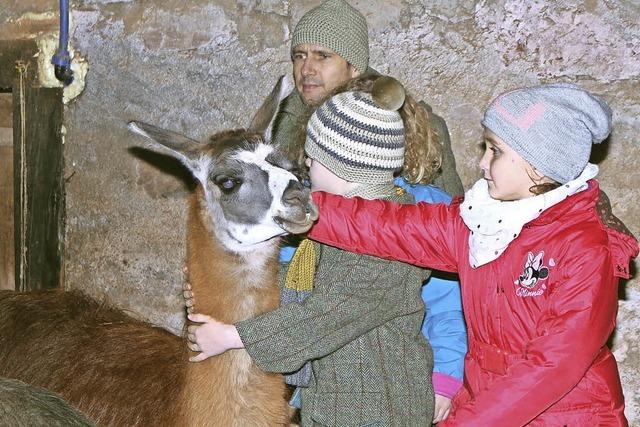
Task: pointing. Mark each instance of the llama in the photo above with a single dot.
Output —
(120, 371)
(25, 405)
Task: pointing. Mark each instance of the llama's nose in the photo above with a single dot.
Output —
(295, 194)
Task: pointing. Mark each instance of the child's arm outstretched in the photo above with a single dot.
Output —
(421, 234)
(572, 332)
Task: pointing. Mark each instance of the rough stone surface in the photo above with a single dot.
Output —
(200, 66)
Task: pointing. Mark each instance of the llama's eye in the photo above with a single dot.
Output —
(227, 184)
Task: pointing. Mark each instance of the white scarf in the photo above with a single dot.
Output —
(495, 223)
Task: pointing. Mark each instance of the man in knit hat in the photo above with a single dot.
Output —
(330, 45)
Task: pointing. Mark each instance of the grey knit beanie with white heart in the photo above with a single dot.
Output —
(551, 126)
(340, 27)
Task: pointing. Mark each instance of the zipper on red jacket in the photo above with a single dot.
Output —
(499, 298)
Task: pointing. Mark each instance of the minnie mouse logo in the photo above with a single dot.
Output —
(533, 272)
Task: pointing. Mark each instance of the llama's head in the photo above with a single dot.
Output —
(250, 190)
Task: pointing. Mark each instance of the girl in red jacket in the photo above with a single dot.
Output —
(538, 267)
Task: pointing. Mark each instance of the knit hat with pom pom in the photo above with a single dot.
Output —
(360, 136)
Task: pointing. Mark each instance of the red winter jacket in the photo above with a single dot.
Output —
(538, 316)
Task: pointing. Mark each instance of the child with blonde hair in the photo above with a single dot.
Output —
(539, 269)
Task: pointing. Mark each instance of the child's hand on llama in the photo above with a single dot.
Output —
(189, 300)
(211, 338)
(187, 293)
(442, 408)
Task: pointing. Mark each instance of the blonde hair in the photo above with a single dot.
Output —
(423, 151)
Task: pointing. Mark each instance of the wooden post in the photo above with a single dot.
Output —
(7, 246)
(38, 168)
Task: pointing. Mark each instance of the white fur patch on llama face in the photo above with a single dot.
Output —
(278, 181)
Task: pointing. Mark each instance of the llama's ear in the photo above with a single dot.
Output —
(187, 150)
(262, 121)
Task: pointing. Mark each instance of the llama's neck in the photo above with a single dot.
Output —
(228, 286)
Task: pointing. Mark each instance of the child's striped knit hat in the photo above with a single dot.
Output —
(357, 139)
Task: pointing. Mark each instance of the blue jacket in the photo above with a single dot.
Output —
(443, 325)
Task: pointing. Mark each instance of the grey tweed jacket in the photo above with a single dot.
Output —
(360, 327)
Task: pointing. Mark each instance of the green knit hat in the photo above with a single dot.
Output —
(340, 27)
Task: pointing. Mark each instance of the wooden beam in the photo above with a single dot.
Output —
(7, 246)
(38, 182)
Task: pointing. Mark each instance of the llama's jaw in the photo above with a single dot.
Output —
(242, 238)
(247, 237)
(299, 222)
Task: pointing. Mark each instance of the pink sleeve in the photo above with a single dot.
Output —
(446, 385)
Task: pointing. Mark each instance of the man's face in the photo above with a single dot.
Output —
(318, 70)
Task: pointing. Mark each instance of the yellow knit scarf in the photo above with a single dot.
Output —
(302, 268)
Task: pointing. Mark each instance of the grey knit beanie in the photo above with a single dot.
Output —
(340, 27)
(356, 139)
(551, 126)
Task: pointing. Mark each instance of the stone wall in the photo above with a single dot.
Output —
(200, 66)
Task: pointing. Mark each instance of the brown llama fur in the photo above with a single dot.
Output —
(115, 369)
(238, 294)
(123, 372)
(119, 371)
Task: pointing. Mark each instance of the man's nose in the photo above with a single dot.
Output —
(308, 67)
